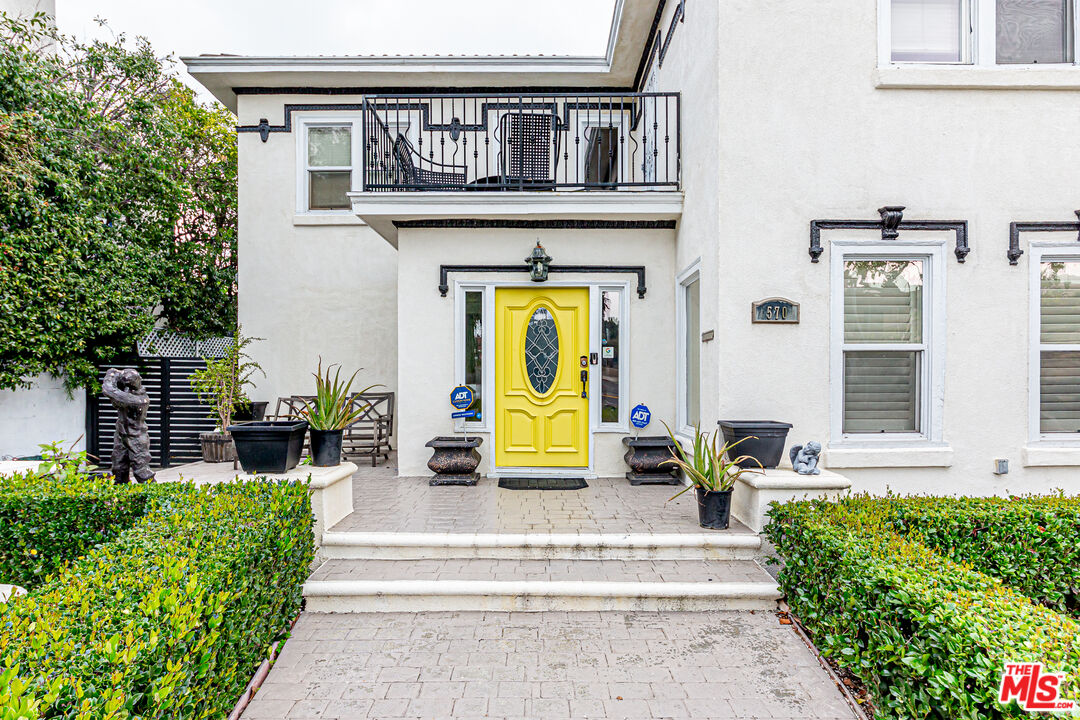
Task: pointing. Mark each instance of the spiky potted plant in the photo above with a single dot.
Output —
(712, 472)
(329, 414)
(221, 384)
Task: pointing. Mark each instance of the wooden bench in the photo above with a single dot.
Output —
(369, 436)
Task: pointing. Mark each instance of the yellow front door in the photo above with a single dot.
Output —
(541, 419)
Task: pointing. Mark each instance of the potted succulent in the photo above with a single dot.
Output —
(221, 385)
(712, 472)
(330, 413)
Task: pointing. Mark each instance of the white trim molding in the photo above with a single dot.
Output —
(683, 429)
(876, 449)
(1045, 449)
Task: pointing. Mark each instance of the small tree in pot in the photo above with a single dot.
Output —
(330, 413)
(712, 472)
(221, 385)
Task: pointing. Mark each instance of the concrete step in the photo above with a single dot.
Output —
(716, 545)
(538, 585)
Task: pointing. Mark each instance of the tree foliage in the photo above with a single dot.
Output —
(117, 204)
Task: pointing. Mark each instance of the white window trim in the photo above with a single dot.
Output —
(596, 371)
(303, 124)
(488, 369)
(979, 48)
(932, 402)
(1044, 252)
(595, 118)
(684, 430)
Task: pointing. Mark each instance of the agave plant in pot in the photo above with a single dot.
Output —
(712, 471)
(332, 410)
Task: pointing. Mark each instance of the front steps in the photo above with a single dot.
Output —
(461, 584)
(541, 546)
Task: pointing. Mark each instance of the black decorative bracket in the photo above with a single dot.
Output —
(639, 270)
(891, 224)
(1018, 227)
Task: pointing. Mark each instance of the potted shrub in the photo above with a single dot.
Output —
(330, 413)
(764, 439)
(712, 472)
(221, 384)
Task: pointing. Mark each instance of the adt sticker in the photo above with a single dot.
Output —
(461, 397)
(640, 416)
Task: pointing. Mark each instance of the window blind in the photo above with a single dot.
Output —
(1059, 377)
(927, 30)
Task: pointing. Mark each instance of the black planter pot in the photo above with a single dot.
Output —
(454, 460)
(714, 508)
(325, 447)
(646, 457)
(217, 447)
(767, 445)
(269, 446)
(256, 411)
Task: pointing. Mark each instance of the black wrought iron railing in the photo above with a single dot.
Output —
(521, 142)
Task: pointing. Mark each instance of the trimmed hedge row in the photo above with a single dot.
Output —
(59, 513)
(168, 621)
(927, 635)
(1030, 543)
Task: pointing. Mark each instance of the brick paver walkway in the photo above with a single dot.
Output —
(608, 505)
(546, 665)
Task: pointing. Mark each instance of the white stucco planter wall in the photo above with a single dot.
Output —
(753, 492)
(43, 413)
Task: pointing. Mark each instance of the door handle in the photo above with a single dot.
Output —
(584, 383)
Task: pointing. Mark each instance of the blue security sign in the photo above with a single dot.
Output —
(640, 416)
(461, 397)
(464, 414)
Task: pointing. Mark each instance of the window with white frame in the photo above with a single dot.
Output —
(887, 335)
(603, 160)
(689, 350)
(613, 369)
(1058, 346)
(982, 32)
(328, 155)
(471, 341)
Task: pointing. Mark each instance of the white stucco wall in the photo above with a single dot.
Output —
(28, 7)
(805, 134)
(41, 414)
(426, 334)
(308, 289)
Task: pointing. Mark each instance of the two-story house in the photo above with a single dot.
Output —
(573, 236)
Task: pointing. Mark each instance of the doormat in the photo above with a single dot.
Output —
(543, 483)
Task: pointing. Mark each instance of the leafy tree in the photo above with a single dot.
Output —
(117, 204)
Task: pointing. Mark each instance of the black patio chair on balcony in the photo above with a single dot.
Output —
(417, 172)
(527, 144)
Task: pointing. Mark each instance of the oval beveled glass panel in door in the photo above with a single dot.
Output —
(541, 350)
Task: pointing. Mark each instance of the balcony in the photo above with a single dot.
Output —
(492, 143)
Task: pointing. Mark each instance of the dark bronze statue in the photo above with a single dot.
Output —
(131, 441)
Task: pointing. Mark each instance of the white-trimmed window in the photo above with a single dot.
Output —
(603, 161)
(328, 158)
(610, 377)
(688, 349)
(1055, 362)
(981, 32)
(887, 330)
(472, 348)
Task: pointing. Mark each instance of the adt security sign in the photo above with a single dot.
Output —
(640, 416)
(461, 397)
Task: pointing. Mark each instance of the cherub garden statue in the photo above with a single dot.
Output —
(804, 458)
(131, 441)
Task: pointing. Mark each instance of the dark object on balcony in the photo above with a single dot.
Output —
(764, 440)
(714, 508)
(648, 460)
(526, 142)
(270, 446)
(412, 173)
(454, 460)
(602, 157)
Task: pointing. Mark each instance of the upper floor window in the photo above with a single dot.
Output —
(328, 150)
(982, 32)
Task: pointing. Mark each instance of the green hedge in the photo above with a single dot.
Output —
(927, 635)
(1030, 543)
(171, 619)
(59, 513)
